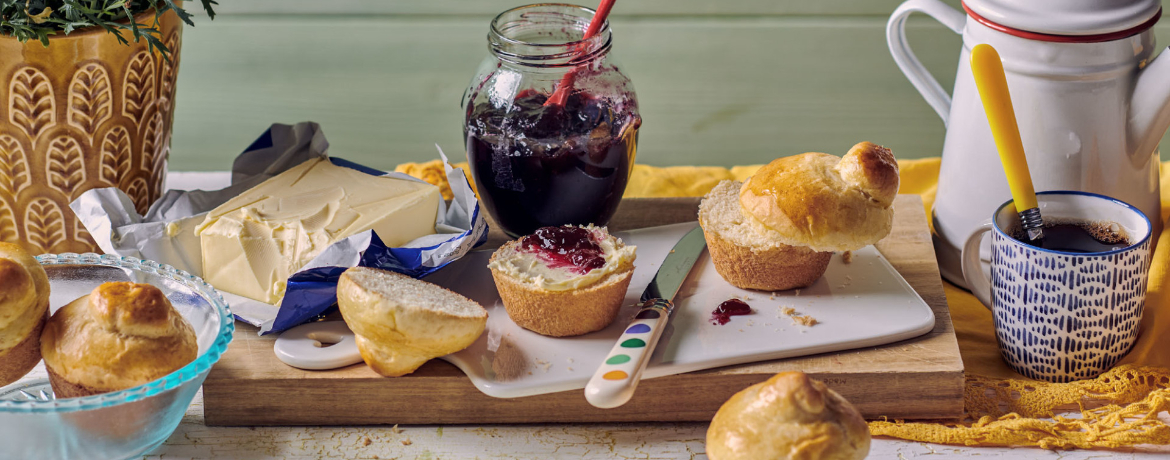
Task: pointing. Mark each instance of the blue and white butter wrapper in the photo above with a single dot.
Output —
(166, 233)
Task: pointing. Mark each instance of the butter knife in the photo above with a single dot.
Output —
(616, 379)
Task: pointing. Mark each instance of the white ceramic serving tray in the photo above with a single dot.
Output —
(859, 304)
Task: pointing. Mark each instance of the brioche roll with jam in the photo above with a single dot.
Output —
(119, 336)
(24, 308)
(779, 229)
(563, 281)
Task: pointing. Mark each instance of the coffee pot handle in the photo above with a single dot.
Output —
(938, 98)
(973, 267)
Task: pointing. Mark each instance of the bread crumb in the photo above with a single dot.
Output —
(788, 311)
(395, 429)
(509, 361)
(804, 320)
(741, 330)
(798, 292)
(367, 441)
(406, 442)
(847, 257)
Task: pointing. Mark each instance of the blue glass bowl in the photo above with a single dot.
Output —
(123, 424)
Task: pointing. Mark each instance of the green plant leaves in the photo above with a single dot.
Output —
(35, 19)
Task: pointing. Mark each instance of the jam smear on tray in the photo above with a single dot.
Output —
(729, 308)
(538, 166)
(566, 247)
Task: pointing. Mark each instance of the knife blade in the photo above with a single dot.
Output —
(614, 382)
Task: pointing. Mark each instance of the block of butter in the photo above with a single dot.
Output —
(252, 243)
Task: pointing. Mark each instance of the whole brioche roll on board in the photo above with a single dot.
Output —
(119, 336)
(24, 308)
(789, 416)
(563, 281)
(399, 322)
(779, 229)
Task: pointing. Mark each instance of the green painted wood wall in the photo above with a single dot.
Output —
(719, 82)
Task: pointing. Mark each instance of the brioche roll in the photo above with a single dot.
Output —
(119, 336)
(400, 323)
(24, 308)
(779, 229)
(789, 416)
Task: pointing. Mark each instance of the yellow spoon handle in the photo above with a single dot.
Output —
(997, 102)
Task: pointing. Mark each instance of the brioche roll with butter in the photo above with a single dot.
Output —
(779, 229)
(789, 416)
(24, 308)
(119, 336)
(563, 281)
(400, 323)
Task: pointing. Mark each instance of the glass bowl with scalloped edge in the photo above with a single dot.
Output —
(122, 424)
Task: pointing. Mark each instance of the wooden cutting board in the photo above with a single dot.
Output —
(913, 379)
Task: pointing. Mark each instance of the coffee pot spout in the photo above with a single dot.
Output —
(1149, 106)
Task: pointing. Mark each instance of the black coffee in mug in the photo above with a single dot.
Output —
(1079, 237)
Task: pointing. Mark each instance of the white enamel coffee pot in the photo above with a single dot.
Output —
(1091, 105)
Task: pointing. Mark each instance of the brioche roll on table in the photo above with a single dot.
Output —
(779, 229)
(789, 416)
(119, 336)
(24, 308)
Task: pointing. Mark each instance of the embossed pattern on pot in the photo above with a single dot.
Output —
(86, 112)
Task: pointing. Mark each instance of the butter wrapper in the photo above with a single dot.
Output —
(166, 233)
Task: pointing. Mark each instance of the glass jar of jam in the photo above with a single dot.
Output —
(537, 163)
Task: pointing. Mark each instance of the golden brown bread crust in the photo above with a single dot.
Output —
(563, 313)
(19, 360)
(789, 416)
(772, 269)
(873, 169)
(120, 336)
(822, 201)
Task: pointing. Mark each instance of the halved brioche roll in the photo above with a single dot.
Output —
(746, 259)
(24, 308)
(779, 229)
(563, 313)
(575, 286)
(400, 322)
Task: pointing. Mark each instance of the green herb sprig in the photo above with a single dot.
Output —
(38, 19)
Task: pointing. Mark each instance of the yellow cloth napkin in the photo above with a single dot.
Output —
(1003, 407)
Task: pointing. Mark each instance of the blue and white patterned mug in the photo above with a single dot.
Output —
(1062, 316)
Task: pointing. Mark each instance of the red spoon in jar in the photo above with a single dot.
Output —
(562, 92)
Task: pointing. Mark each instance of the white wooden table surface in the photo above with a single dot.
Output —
(194, 440)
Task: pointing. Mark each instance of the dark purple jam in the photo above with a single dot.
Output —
(560, 247)
(537, 166)
(729, 308)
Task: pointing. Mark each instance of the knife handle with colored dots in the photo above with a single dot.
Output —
(616, 379)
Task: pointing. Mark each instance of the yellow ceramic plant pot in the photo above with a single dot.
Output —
(85, 112)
